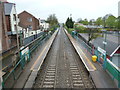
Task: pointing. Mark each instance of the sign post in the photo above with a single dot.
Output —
(25, 55)
(103, 55)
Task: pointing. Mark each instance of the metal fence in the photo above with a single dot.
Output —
(10, 77)
(109, 66)
(113, 71)
(31, 38)
(84, 45)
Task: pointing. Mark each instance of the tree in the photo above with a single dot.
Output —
(52, 20)
(85, 22)
(99, 21)
(92, 36)
(90, 22)
(79, 20)
(79, 28)
(119, 22)
(111, 21)
(69, 22)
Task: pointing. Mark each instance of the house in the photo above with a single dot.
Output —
(28, 21)
(11, 23)
(9, 26)
(43, 25)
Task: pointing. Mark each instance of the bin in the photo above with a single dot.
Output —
(94, 58)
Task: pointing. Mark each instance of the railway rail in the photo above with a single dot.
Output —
(62, 67)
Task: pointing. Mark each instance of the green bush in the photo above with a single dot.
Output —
(69, 29)
(79, 28)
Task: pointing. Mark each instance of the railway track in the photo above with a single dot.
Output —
(62, 67)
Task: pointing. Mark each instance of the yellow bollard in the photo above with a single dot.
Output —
(94, 58)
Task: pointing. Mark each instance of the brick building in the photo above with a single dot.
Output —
(4, 45)
(28, 21)
(9, 26)
(12, 23)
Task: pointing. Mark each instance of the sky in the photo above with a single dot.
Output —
(90, 9)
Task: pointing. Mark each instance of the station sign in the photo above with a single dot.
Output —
(25, 52)
(102, 51)
(104, 42)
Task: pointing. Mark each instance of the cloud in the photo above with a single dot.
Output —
(63, 8)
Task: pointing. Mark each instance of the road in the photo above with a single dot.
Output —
(62, 67)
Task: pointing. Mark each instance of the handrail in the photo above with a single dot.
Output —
(113, 65)
(35, 43)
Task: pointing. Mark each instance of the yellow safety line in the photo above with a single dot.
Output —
(83, 54)
(4, 67)
(87, 59)
(40, 55)
(38, 58)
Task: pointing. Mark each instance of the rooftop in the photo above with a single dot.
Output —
(8, 8)
(111, 39)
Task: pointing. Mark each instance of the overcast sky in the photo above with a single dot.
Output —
(90, 9)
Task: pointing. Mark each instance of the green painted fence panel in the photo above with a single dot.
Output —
(115, 73)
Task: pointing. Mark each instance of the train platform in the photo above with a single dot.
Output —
(30, 71)
(62, 68)
(99, 76)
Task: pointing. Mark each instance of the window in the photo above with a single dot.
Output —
(15, 27)
(29, 19)
(14, 16)
(30, 27)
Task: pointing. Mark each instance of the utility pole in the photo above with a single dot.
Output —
(17, 31)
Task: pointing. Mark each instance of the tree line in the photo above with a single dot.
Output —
(108, 21)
